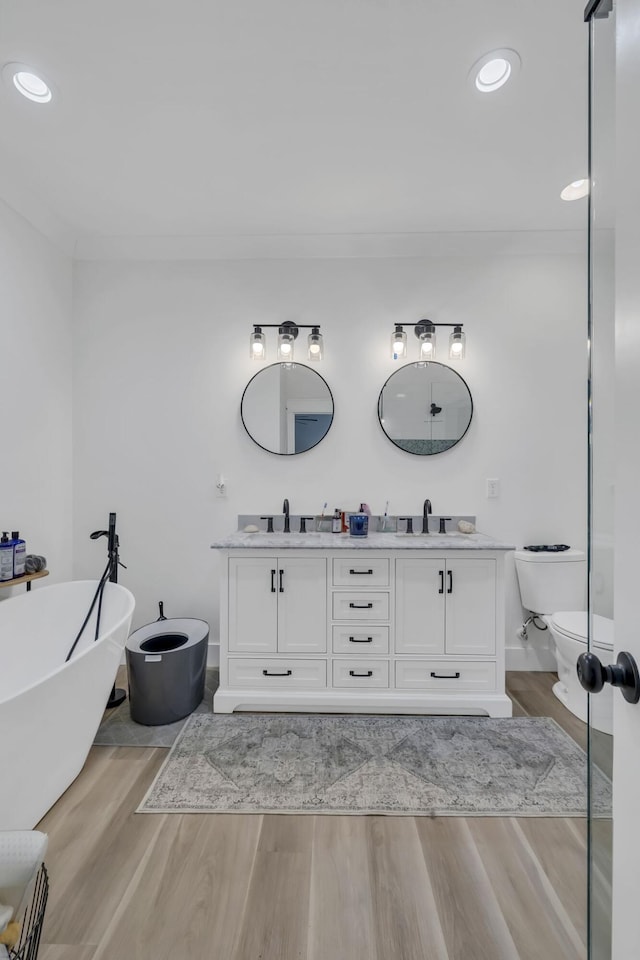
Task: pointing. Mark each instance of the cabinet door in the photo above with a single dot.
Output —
(302, 605)
(420, 603)
(253, 606)
(471, 607)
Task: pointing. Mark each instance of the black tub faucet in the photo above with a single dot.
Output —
(426, 510)
(285, 510)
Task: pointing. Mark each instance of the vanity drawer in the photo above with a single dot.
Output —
(361, 640)
(360, 606)
(361, 673)
(446, 676)
(353, 571)
(269, 673)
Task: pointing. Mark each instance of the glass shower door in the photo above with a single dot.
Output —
(601, 18)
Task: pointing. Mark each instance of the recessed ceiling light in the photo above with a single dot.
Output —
(492, 71)
(27, 82)
(575, 190)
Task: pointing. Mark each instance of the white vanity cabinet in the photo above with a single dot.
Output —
(446, 606)
(400, 630)
(277, 605)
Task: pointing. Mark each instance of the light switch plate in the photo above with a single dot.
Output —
(493, 489)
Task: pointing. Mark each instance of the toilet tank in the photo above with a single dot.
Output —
(552, 581)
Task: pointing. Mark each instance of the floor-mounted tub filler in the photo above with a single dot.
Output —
(50, 709)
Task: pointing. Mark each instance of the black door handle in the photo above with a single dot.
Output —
(352, 673)
(287, 673)
(450, 575)
(445, 676)
(281, 576)
(364, 640)
(441, 574)
(273, 581)
(623, 673)
(361, 573)
(361, 606)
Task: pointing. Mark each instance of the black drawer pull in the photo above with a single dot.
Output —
(364, 640)
(281, 576)
(445, 676)
(450, 590)
(361, 606)
(369, 673)
(287, 673)
(441, 575)
(361, 573)
(273, 581)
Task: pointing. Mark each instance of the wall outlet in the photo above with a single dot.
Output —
(221, 486)
(493, 489)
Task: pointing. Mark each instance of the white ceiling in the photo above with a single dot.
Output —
(186, 118)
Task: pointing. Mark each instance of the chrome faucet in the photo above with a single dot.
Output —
(285, 510)
(426, 510)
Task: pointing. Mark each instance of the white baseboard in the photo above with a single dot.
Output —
(531, 657)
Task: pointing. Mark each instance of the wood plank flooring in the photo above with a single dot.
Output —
(240, 887)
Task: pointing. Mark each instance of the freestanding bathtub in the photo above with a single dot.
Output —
(50, 710)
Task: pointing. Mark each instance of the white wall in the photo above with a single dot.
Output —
(35, 386)
(161, 360)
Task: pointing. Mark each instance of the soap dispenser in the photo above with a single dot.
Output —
(6, 557)
(19, 554)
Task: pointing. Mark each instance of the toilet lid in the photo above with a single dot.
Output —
(573, 623)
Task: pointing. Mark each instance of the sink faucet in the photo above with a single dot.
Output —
(426, 510)
(285, 510)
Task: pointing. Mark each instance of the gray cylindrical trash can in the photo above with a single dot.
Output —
(166, 662)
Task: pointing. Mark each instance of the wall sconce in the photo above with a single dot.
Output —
(425, 331)
(287, 335)
(398, 343)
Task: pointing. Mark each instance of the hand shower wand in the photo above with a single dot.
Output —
(118, 695)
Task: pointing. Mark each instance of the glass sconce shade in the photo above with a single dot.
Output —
(287, 334)
(315, 345)
(457, 344)
(398, 343)
(257, 345)
(426, 334)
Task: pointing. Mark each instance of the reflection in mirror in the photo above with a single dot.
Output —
(287, 408)
(425, 408)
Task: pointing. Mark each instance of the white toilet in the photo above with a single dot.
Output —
(553, 586)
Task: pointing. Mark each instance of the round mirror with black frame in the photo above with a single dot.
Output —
(425, 408)
(287, 408)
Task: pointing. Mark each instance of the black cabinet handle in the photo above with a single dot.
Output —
(445, 676)
(450, 575)
(361, 573)
(364, 640)
(361, 606)
(281, 572)
(287, 673)
(352, 673)
(273, 581)
(441, 575)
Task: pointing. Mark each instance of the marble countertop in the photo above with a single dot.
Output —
(375, 541)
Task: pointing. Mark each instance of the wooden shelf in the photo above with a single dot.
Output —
(28, 577)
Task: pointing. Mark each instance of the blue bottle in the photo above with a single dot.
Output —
(19, 554)
(6, 557)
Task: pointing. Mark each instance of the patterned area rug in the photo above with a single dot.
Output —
(119, 730)
(419, 766)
